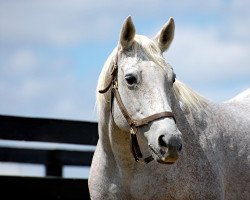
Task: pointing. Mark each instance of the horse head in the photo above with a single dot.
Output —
(143, 84)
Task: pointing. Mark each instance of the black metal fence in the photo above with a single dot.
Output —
(53, 185)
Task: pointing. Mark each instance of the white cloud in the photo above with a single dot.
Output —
(34, 87)
(209, 64)
(202, 55)
(22, 62)
(63, 22)
(53, 22)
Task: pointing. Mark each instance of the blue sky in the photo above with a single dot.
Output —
(52, 51)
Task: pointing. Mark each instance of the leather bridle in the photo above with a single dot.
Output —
(133, 123)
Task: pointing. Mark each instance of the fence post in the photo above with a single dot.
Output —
(54, 166)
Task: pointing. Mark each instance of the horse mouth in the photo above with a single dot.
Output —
(164, 157)
(165, 163)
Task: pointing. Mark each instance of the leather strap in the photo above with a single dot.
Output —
(113, 73)
(154, 117)
(107, 87)
(141, 122)
(113, 77)
(122, 107)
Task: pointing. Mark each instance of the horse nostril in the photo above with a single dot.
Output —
(162, 142)
(180, 147)
(173, 144)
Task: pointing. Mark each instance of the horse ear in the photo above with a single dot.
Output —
(166, 35)
(127, 33)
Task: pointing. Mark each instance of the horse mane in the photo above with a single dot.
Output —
(188, 98)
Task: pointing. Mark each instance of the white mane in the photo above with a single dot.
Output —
(188, 98)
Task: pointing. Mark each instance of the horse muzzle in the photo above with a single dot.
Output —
(168, 151)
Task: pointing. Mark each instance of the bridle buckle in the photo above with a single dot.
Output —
(132, 131)
(115, 84)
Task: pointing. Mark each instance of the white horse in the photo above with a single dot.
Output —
(198, 149)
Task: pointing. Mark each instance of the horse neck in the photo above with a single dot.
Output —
(192, 122)
(115, 141)
(115, 148)
(199, 130)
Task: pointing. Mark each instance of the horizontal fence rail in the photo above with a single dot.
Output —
(73, 135)
(43, 188)
(35, 156)
(48, 130)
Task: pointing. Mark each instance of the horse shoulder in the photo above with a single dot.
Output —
(103, 180)
(234, 117)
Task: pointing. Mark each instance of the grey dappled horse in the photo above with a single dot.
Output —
(158, 139)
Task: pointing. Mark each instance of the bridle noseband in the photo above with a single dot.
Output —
(133, 123)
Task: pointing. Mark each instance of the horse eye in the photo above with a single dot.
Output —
(130, 79)
(174, 77)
